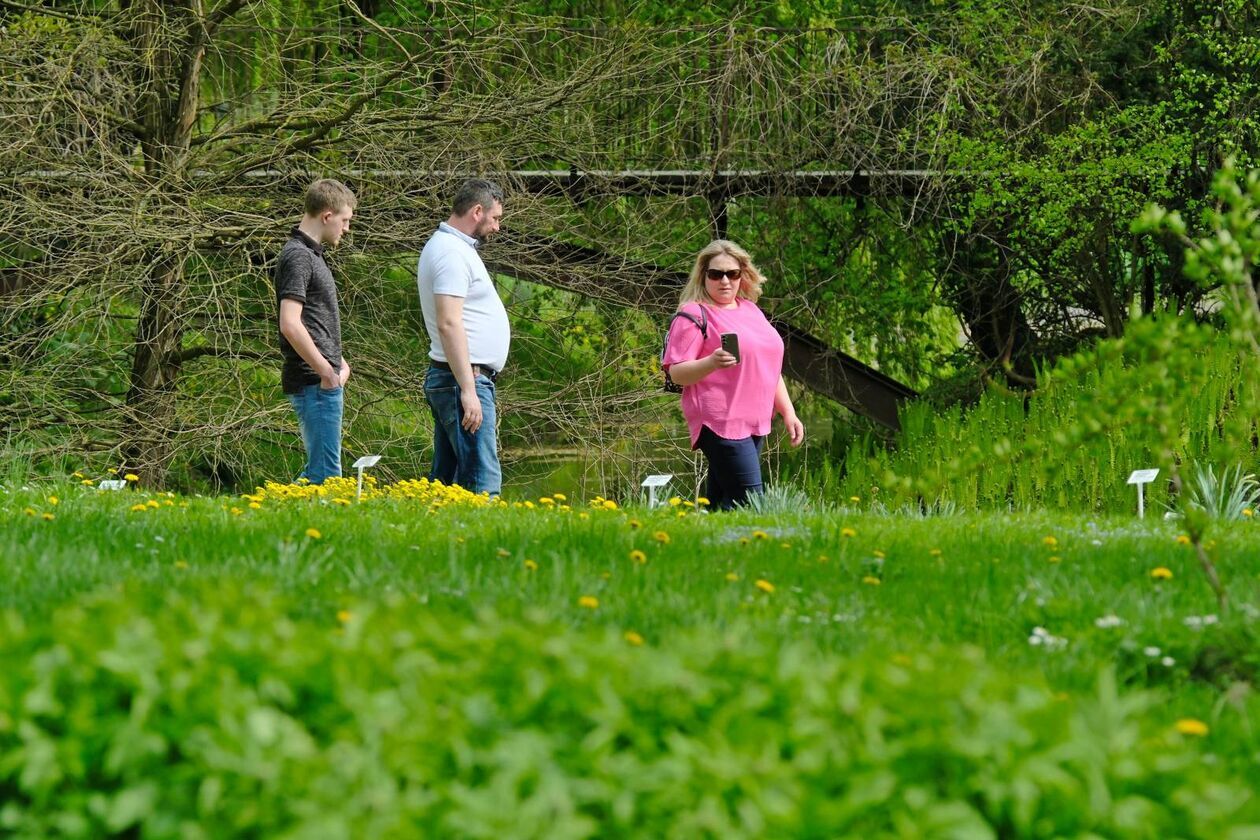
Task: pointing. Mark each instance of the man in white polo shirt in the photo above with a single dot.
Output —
(468, 336)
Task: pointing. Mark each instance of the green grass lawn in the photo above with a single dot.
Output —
(690, 661)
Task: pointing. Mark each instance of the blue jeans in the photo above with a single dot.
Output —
(469, 459)
(734, 468)
(319, 416)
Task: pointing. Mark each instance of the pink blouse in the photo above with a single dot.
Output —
(738, 401)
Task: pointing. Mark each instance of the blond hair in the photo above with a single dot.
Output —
(750, 277)
(327, 194)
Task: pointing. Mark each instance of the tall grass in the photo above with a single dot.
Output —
(1086, 478)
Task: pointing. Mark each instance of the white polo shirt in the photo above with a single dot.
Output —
(450, 265)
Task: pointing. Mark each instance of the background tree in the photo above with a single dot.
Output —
(155, 154)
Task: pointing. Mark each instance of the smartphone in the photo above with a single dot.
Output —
(730, 343)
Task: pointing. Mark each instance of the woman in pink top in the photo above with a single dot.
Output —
(728, 401)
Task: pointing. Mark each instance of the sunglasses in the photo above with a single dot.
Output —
(716, 274)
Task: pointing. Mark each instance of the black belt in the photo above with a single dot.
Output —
(491, 373)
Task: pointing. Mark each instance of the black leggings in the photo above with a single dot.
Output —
(734, 468)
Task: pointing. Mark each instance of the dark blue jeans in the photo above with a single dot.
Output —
(734, 468)
(469, 459)
(319, 416)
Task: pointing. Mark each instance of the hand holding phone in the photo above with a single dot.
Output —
(730, 343)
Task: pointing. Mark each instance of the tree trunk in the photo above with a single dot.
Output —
(154, 373)
(170, 36)
(979, 283)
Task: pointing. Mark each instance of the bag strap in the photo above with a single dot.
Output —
(702, 322)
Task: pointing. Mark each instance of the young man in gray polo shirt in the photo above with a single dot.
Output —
(468, 336)
(315, 370)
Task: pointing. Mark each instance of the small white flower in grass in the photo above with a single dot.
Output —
(1107, 621)
(1152, 651)
(1041, 637)
(1168, 662)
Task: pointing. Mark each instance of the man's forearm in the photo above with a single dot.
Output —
(300, 339)
(455, 343)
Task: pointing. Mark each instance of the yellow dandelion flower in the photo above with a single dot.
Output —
(342, 502)
(855, 499)
(878, 554)
(674, 501)
(169, 503)
(132, 477)
(1190, 726)
(1054, 558)
(235, 511)
(31, 511)
(871, 580)
(313, 533)
(181, 564)
(546, 500)
(589, 602)
(1182, 539)
(1050, 542)
(53, 500)
(609, 504)
(701, 501)
(87, 482)
(503, 552)
(583, 515)
(255, 506)
(633, 638)
(743, 540)
(152, 503)
(1248, 512)
(560, 497)
(343, 616)
(529, 505)
(848, 532)
(764, 585)
(138, 508)
(48, 517)
(785, 545)
(661, 537)
(732, 577)
(634, 524)
(531, 566)
(638, 556)
(1161, 573)
(77, 474)
(936, 552)
(760, 535)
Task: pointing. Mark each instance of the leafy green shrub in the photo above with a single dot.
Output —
(218, 713)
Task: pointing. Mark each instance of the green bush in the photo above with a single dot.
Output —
(218, 712)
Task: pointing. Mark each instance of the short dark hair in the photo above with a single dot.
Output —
(476, 191)
(327, 194)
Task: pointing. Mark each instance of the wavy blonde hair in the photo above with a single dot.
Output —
(749, 282)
